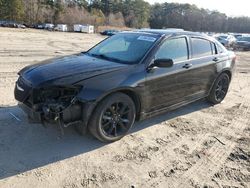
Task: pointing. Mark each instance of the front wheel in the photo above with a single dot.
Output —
(113, 117)
(219, 90)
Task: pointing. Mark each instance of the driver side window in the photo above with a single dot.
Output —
(175, 49)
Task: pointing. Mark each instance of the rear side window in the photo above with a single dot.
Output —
(201, 47)
(175, 49)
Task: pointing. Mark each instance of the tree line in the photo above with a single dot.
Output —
(129, 13)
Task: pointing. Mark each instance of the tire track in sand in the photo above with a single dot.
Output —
(216, 155)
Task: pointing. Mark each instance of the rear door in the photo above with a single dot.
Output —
(203, 69)
(196, 73)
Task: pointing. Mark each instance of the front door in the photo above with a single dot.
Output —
(161, 84)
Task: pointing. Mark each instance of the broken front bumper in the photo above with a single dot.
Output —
(67, 116)
(34, 117)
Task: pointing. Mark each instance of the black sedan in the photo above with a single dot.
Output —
(127, 77)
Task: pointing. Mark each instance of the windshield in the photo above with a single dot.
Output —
(245, 39)
(126, 48)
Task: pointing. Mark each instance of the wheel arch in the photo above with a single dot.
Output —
(227, 71)
(136, 99)
(212, 92)
(127, 91)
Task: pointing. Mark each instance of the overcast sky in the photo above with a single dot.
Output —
(230, 7)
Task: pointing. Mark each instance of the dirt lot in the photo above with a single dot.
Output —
(196, 146)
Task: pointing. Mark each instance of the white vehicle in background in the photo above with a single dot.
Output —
(84, 28)
(77, 27)
(87, 29)
(61, 27)
(226, 40)
(49, 26)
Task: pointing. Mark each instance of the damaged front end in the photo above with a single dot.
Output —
(57, 104)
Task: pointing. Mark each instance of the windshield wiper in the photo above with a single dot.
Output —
(102, 56)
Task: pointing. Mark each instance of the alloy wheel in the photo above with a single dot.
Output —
(115, 119)
(221, 89)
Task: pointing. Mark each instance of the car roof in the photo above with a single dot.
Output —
(172, 33)
(169, 32)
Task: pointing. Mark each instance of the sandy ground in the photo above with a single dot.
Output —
(196, 146)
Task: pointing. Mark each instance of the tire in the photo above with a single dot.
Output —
(219, 89)
(112, 118)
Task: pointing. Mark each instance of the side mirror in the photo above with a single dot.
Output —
(164, 63)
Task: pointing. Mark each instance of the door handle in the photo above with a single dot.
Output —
(215, 59)
(187, 66)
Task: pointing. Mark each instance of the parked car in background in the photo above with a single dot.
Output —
(2, 23)
(109, 32)
(12, 24)
(61, 27)
(129, 76)
(49, 26)
(22, 26)
(84, 28)
(77, 27)
(40, 26)
(226, 40)
(243, 43)
(237, 35)
(87, 29)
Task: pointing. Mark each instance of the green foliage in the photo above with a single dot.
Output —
(79, 3)
(12, 10)
(135, 12)
(107, 6)
(58, 8)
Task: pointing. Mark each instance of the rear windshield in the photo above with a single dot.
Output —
(128, 48)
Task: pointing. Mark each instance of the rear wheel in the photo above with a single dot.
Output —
(113, 118)
(220, 88)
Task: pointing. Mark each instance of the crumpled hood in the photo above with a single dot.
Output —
(67, 70)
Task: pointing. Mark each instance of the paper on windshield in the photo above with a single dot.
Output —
(146, 38)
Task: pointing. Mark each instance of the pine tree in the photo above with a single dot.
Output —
(12, 10)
